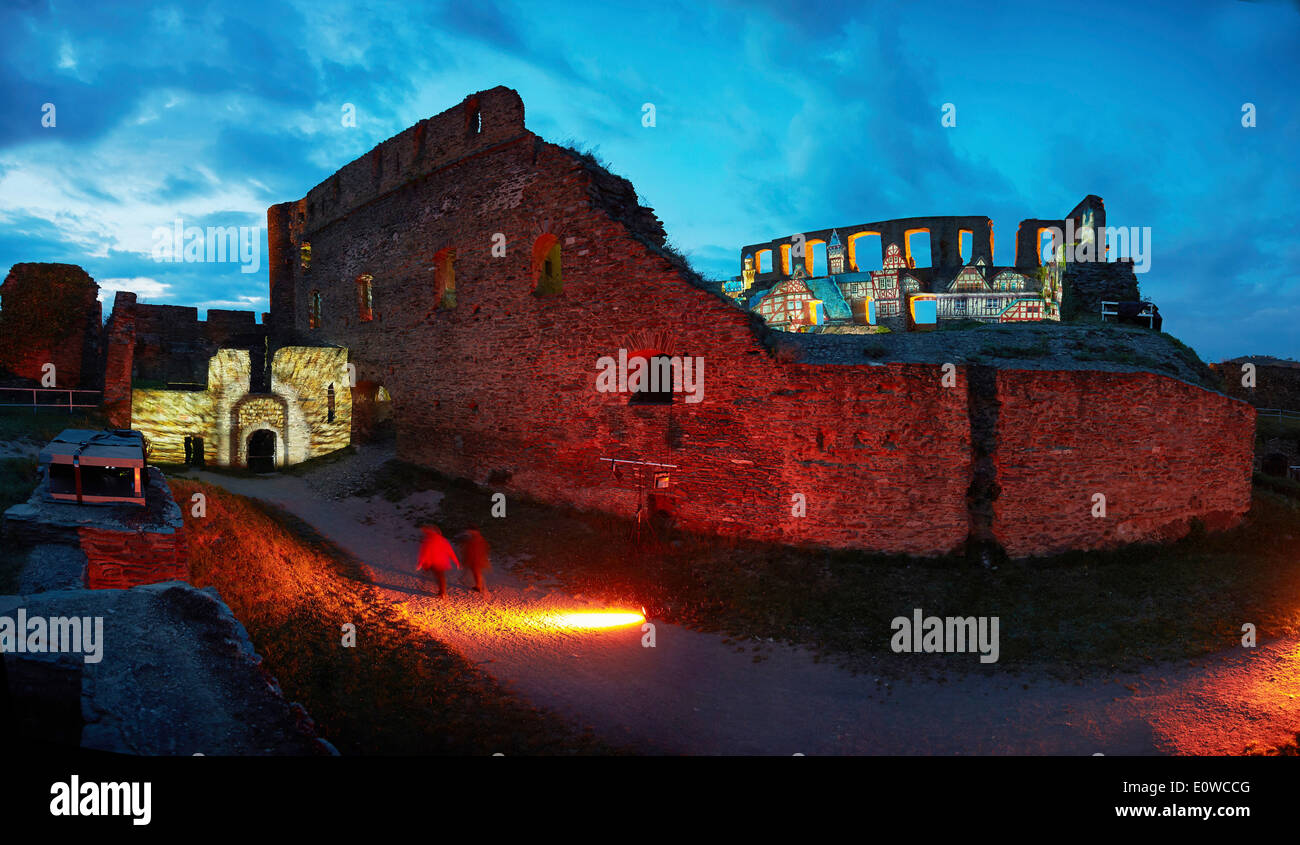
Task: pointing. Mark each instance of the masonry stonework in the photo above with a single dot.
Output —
(51, 315)
(307, 423)
(498, 385)
(1162, 452)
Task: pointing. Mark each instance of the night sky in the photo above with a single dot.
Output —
(770, 120)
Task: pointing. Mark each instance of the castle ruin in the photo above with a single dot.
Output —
(477, 273)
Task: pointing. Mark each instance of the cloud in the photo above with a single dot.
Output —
(771, 119)
(144, 288)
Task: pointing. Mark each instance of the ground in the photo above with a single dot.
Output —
(707, 693)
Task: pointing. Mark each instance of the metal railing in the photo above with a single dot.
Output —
(1148, 312)
(39, 398)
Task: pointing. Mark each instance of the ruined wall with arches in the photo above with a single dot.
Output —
(501, 386)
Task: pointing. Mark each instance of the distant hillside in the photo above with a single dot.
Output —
(1264, 361)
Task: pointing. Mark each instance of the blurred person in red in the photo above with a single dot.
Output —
(436, 556)
(474, 551)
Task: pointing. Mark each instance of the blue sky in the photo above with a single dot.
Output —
(770, 119)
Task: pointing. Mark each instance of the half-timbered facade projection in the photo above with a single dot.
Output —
(786, 305)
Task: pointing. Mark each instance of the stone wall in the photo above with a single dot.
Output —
(124, 545)
(1161, 451)
(225, 414)
(501, 387)
(51, 315)
(117, 560)
(1088, 284)
(177, 676)
(305, 376)
(167, 417)
(1276, 385)
(119, 360)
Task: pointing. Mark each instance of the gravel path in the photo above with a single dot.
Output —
(695, 693)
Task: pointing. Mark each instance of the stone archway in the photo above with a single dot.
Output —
(254, 412)
(1275, 464)
(372, 412)
(261, 450)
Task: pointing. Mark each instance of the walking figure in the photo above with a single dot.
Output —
(436, 556)
(474, 549)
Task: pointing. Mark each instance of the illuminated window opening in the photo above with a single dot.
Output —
(473, 117)
(444, 277)
(785, 259)
(365, 298)
(810, 262)
(547, 269)
(916, 242)
(304, 253)
(1046, 246)
(763, 260)
(866, 256)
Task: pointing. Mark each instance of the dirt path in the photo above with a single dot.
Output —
(693, 693)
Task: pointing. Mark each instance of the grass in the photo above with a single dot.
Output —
(397, 691)
(1041, 348)
(45, 424)
(17, 480)
(1267, 427)
(1071, 614)
(1284, 486)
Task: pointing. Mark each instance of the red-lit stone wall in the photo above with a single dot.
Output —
(119, 360)
(118, 559)
(1161, 451)
(51, 315)
(501, 388)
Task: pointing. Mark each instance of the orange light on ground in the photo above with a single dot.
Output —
(584, 620)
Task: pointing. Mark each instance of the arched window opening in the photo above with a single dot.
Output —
(444, 277)
(916, 243)
(546, 266)
(865, 253)
(473, 117)
(815, 257)
(650, 378)
(313, 309)
(1047, 246)
(365, 298)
